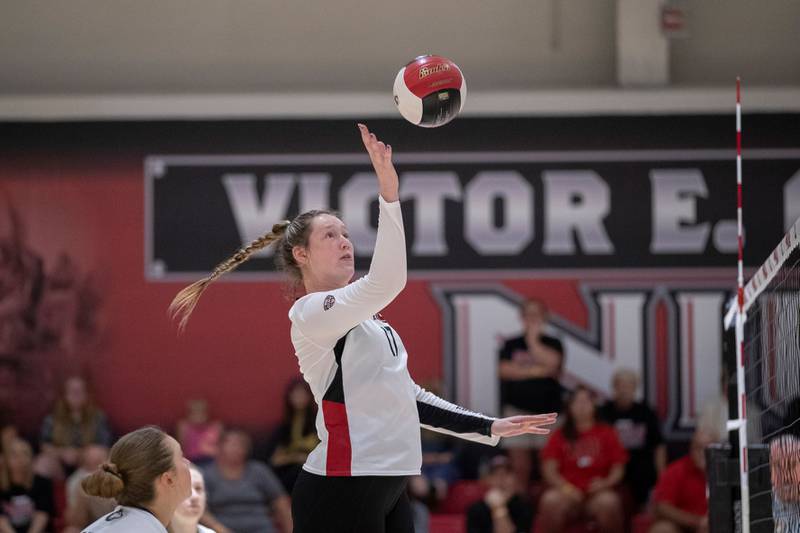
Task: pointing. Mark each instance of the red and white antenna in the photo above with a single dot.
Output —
(740, 371)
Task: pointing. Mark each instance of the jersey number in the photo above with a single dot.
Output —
(390, 337)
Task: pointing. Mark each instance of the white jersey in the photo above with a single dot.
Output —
(204, 529)
(127, 520)
(370, 409)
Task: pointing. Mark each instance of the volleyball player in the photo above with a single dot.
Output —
(148, 476)
(188, 514)
(370, 410)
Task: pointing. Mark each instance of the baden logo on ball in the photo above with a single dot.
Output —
(430, 91)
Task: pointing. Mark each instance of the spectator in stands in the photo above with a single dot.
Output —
(296, 436)
(83, 509)
(26, 498)
(503, 509)
(679, 499)
(198, 434)
(582, 464)
(242, 493)
(530, 368)
(75, 422)
(188, 514)
(639, 432)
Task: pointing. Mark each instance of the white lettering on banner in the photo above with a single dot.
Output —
(429, 190)
(576, 206)
(517, 197)
(576, 202)
(791, 201)
(254, 217)
(315, 191)
(675, 193)
(478, 319)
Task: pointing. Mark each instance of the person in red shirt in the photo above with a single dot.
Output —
(679, 499)
(582, 463)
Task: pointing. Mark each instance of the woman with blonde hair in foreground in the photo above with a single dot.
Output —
(148, 476)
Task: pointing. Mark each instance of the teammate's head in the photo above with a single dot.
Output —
(308, 247)
(192, 508)
(145, 466)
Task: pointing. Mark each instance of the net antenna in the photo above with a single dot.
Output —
(740, 374)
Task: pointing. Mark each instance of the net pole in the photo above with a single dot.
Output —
(740, 381)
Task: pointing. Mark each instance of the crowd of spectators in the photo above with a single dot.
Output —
(603, 466)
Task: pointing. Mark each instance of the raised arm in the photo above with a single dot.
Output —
(327, 315)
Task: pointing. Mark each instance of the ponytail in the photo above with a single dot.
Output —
(185, 301)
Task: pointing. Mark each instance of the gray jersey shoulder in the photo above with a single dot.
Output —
(126, 520)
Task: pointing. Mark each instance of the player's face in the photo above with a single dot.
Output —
(194, 506)
(329, 254)
(183, 477)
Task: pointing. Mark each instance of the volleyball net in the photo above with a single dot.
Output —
(769, 404)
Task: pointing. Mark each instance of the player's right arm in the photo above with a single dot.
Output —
(327, 315)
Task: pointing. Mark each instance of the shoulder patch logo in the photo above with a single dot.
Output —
(116, 515)
(329, 301)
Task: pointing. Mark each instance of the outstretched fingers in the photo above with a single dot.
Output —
(377, 150)
(540, 420)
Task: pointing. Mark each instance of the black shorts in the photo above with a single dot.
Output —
(362, 504)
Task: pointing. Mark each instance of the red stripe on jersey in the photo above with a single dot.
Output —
(339, 450)
(431, 73)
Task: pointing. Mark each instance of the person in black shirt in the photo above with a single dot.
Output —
(27, 499)
(502, 509)
(530, 367)
(639, 432)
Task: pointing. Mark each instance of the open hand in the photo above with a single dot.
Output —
(520, 425)
(381, 156)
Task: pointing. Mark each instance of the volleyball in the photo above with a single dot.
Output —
(430, 91)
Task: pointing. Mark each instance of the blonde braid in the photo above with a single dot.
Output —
(185, 301)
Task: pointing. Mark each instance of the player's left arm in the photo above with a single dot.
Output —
(444, 417)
